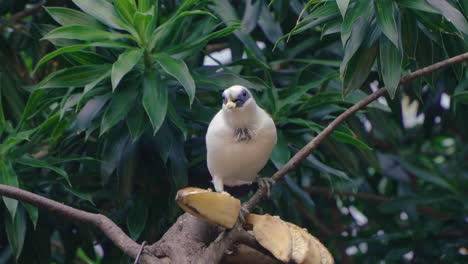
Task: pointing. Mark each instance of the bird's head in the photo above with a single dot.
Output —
(236, 97)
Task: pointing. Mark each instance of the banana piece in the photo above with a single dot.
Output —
(288, 242)
(218, 208)
(273, 234)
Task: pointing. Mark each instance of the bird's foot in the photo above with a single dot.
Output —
(266, 183)
(243, 215)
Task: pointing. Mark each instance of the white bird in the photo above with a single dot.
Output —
(239, 140)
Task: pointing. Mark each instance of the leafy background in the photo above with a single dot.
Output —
(105, 104)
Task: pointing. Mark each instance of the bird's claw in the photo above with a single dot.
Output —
(243, 215)
(266, 183)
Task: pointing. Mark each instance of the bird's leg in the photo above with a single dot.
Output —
(266, 183)
(218, 184)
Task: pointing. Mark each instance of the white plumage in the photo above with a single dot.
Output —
(239, 140)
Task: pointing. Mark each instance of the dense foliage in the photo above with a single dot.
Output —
(104, 106)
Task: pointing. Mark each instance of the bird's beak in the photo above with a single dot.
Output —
(230, 104)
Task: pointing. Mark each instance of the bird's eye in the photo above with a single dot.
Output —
(244, 93)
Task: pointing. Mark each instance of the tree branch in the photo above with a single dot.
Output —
(22, 14)
(362, 196)
(294, 162)
(101, 222)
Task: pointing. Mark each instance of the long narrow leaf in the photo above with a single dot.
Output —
(155, 99)
(179, 70)
(67, 17)
(390, 62)
(103, 11)
(452, 14)
(58, 52)
(74, 77)
(386, 20)
(343, 6)
(85, 33)
(122, 101)
(27, 161)
(16, 232)
(124, 64)
(8, 177)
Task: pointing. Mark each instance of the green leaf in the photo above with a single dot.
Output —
(342, 5)
(126, 9)
(16, 139)
(187, 47)
(93, 84)
(58, 52)
(176, 119)
(154, 99)
(358, 69)
(103, 11)
(84, 33)
(361, 10)
(390, 62)
(2, 116)
(79, 58)
(429, 176)
(280, 154)
(144, 5)
(418, 5)
(85, 196)
(453, 46)
(349, 139)
(16, 232)
(142, 22)
(179, 70)
(300, 194)
(185, 5)
(386, 20)
(124, 64)
(362, 33)
(163, 141)
(250, 17)
(137, 122)
(451, 14)
(27, 161)
(404, 203)
(74, 77)
(409, 33)
(270, 27)
(178, 165)
(338, 135)
(461, 97)
(90, 110)
(315, 163)
(136, 220)
(166, 30)
(228, 14)
(8, 177)
(67, 17)
(33, 213)
(122, 102)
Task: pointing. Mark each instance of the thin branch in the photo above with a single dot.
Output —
(294, 162)
(23, 14)
(362, 196)
(315, 221)
(101, 222)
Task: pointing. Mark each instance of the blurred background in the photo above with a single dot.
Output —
(104, 106)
